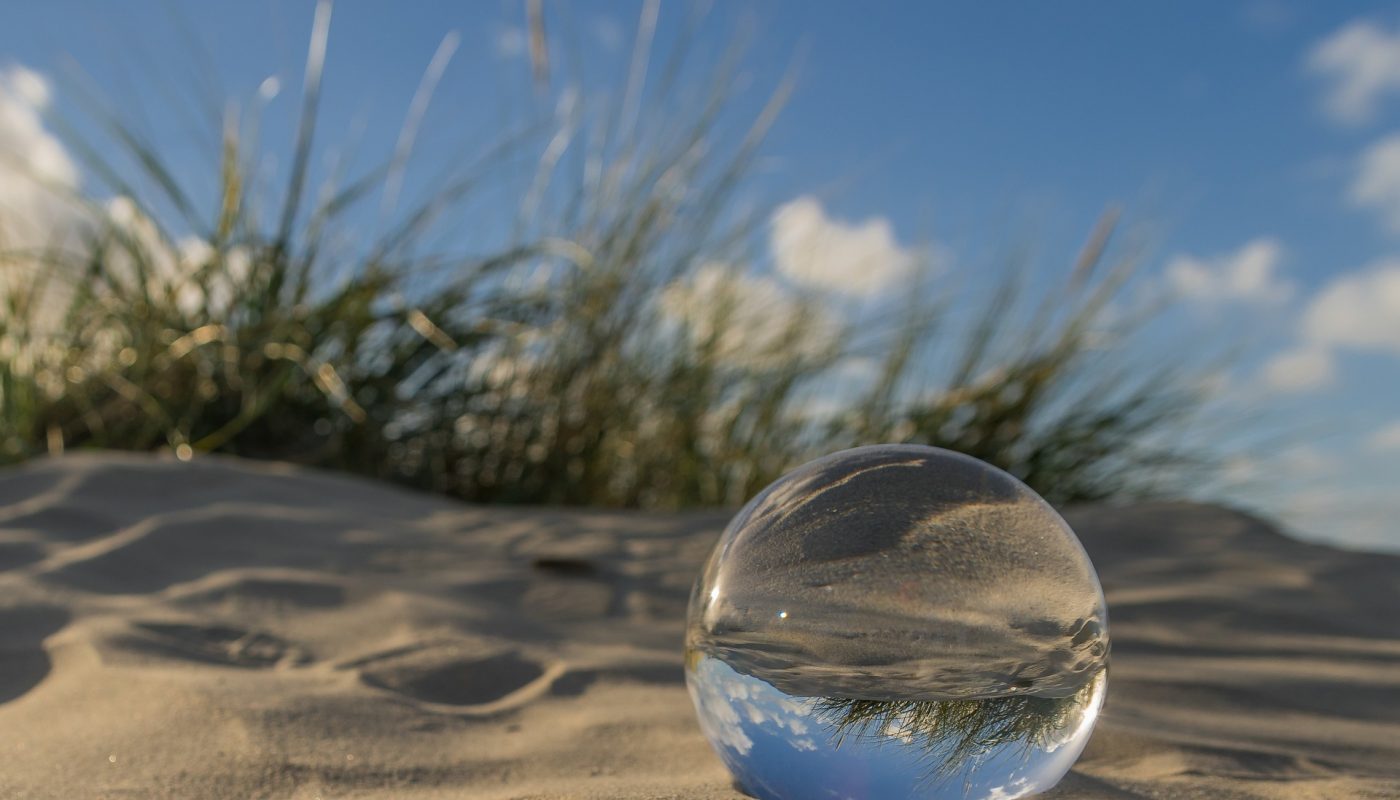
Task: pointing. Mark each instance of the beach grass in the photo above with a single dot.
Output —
(624, 346)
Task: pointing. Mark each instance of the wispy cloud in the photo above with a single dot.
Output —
(858, 259)
(1357, 311)
(1307, 461)
(40, 209)
(1385, 439)
(1361, 65)
(1240, 470)
(1019, 787)
(1300, 369)
(36, 171)
(1366, 515)
(1247, 275)
(1375, 182)
(746, 317)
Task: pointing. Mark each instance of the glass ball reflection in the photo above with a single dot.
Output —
(897, 621)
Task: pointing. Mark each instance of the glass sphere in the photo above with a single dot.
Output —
(897, 621)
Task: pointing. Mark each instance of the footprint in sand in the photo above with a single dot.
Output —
(289, 593)
(450, 679)
(456, 680)
(554, 590)
(23, 660)
(576, 682)
(220, 645)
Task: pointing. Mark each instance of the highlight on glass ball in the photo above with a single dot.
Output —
(897, 621)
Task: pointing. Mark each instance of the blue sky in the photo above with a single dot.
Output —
(1251, 141)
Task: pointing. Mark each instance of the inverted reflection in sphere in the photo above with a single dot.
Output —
(897, 621)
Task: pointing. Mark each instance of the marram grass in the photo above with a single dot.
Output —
(606, 355)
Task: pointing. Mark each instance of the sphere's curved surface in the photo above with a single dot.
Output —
(897, 621)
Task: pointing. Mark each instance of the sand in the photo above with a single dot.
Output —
(223, 629)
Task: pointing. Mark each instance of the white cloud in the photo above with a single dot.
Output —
(40, 209)
(1307, 460)
(1359, 310)
(1011, 791)
(40, 213)
(1375, 183)
(1355, 517)
(269, 88)
(1241, 469)
(728, 700)
(36, 173)
(750, 318)
(1385, 439)
(715, 692)
(1300, 369)
(856, 259)
(1247, 275)
(1362, 64)
(512, 42)
(172, 269)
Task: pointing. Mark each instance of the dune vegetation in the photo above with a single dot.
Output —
(625, 344)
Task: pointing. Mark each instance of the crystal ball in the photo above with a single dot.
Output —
(897, 621)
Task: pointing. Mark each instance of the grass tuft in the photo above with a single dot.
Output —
(625, 347)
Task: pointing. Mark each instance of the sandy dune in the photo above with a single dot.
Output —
(229, 630)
